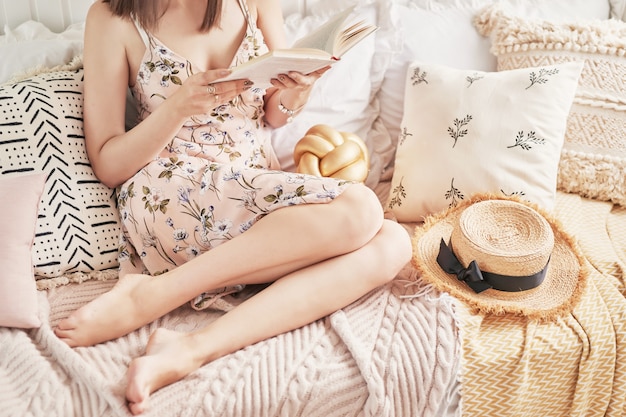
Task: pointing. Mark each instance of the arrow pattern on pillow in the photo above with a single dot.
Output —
(41, 130)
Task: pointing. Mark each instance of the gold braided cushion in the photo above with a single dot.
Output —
(326, 152)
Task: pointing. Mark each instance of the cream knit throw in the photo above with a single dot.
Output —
(381, 356)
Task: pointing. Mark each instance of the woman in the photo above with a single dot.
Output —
(197, 172)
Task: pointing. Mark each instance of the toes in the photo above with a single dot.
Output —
(137, 392)
(66, 337)
(67, 323)
(63, 333)
(137, 408)
(70, 342)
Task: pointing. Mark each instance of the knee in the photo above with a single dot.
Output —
(361, 214)
(393, 250)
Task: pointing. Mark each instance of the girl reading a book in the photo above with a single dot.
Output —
(205, 211)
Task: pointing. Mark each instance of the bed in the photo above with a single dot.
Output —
(405, 349)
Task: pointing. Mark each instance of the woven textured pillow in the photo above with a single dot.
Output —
(593, 159)
(41, 130)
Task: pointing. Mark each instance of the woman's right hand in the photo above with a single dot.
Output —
(203, 92)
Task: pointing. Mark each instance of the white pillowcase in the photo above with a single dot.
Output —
(466, 132)
(344, 97)
(442, 32)
(618, 9)
(32, 45)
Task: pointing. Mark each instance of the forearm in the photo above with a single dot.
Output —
(124, 155)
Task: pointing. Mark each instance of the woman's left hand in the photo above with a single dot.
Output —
(290, 93)
(294, 80)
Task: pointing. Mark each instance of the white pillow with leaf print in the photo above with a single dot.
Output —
(465, 132)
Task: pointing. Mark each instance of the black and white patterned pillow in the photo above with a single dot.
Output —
(41, 130)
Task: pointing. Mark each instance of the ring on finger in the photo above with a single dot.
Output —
(210, 89)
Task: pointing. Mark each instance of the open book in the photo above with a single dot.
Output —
(322, 47)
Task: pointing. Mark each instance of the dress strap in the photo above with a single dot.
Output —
(142, 33)
(246, 13)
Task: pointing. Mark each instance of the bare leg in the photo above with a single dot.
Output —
(282, 242)
(291, 302)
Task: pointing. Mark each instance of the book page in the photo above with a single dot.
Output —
(351, 36)
(280, 61)
(322, 47)
(324, 37)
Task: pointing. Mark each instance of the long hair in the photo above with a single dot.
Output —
(148, 12)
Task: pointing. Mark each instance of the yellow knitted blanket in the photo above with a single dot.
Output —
(573, 367)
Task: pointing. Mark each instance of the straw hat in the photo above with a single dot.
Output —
(502, 256)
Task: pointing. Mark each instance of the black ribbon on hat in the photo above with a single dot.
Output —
(480, 281)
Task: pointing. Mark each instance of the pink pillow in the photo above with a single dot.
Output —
(20, 197)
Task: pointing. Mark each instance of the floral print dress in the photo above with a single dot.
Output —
(213, 181)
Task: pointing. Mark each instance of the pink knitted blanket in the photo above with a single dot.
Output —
(384, 355)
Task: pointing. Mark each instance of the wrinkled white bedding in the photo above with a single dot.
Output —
(32, 45)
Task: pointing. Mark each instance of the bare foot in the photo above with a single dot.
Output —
(169, 358)
(113, 314)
